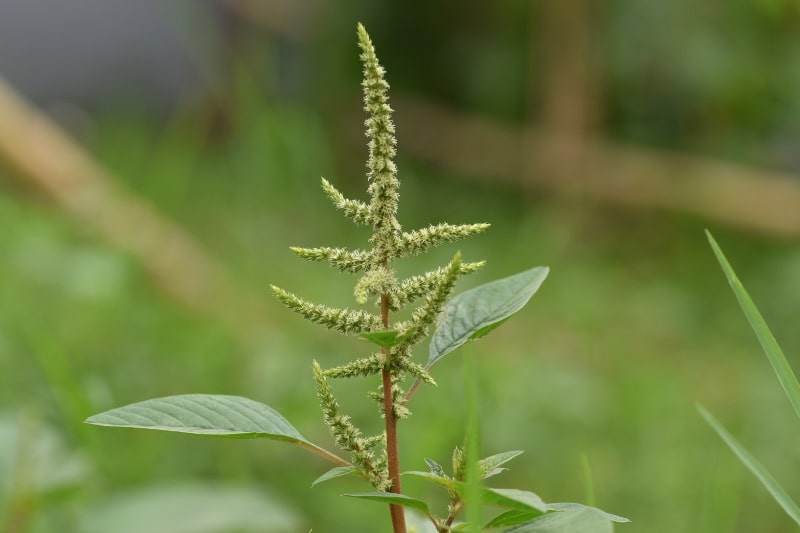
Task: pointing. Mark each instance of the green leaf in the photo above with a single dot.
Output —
(489, 465)
(209, 414)
(510, 518)
(568, 506)
(474, 313)
(383, 338)
(514, 499)
(509, 498)
(586, 520)
(769, 482)
(436, 468)
(333, 473)
(203, 414)
(191, 508)
(514, 516)
(390, 497)
(774, 353)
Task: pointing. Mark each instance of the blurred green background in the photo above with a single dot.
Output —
(634, 325)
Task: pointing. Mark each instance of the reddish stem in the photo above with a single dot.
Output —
(392, 454)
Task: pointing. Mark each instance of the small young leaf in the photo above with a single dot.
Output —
(509, 498)
(586, 520)
(780, 365)
(493, 472)
(383, 338)
(209, 414)
(569, 506)
(436, 468)
(474, 313)
(337, 471)
(391, 497)
(488, 466)
(769, 482)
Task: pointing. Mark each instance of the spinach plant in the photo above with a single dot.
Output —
(389, 359)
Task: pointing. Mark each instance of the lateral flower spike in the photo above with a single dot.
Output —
(425, 315)
(421, 240)
(347, 435)
(345, 260)
(415, 287)
(366, 366)
(381, 169)
(355, 210)
(344, 320)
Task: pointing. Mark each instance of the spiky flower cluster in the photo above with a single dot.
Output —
(378, 281)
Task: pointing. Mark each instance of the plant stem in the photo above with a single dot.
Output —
(325, 454)
(454, 512)
(392, 454)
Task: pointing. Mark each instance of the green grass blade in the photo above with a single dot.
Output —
(473, 485)
(769, 482)
(774, 353)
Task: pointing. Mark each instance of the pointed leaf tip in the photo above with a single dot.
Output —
(474, 313)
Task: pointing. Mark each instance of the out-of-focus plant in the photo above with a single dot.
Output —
(786, 378)
(468, 316)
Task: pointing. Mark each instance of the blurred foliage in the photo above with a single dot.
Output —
(634, 324)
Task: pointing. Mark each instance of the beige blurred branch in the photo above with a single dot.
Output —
(484, 149)
(47, 160)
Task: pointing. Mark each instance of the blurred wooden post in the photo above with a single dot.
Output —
(562, 33)
(47, 160)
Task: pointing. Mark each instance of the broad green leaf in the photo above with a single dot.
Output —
(474, 313)
(333, 473)
(586, 520)
(510, 518)
(514, 516)
(489, 465)
(769, 482)
(209, 414)
(514, 499)
(390, 497)
(206, 414)
(568, 506)
(191, 508)
(509, 498)
(774, 353)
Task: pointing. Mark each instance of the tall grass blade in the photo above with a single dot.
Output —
(774, 353)
(769, 482)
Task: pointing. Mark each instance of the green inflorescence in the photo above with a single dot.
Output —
(378, 281)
